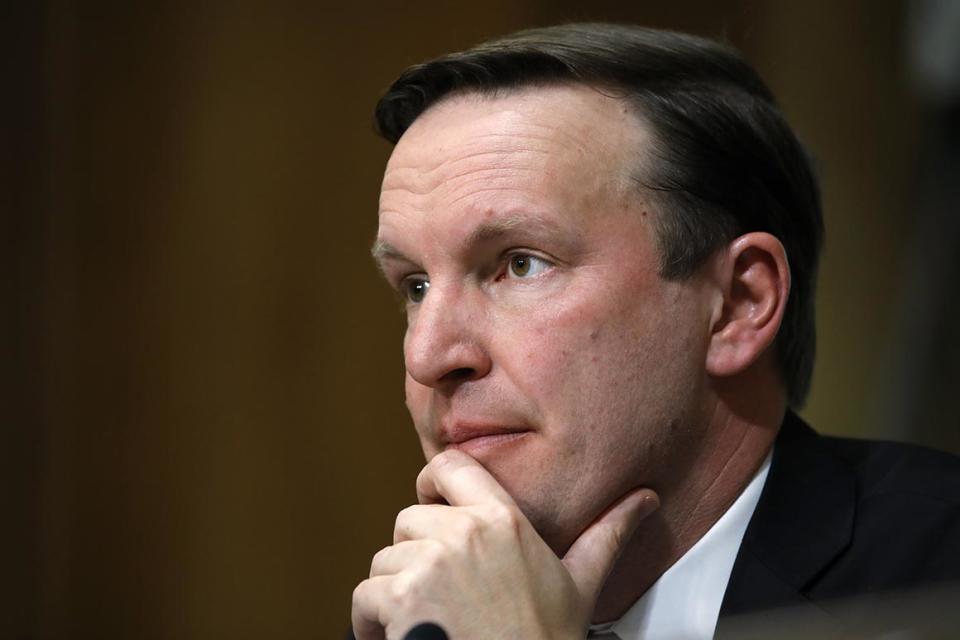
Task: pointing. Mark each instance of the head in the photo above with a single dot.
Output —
(563, 211)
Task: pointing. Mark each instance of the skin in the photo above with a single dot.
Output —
(561, 389)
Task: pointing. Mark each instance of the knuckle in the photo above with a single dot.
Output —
(402, 589)
(403, 517)
(441, 460)
(434, 556)
(422, 476)
(378, 559)
(505, 517)
(617, 537)
(359, 592)
(405, 514)
(471, 526)
(503, 514)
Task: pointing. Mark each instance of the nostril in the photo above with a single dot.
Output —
(463, 373)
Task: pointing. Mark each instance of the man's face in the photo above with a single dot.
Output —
(540, 338)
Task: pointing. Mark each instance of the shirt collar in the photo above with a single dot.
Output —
(685, 601)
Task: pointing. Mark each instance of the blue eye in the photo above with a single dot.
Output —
(523, 265)
(414, 289)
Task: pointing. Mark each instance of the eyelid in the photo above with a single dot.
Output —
(524, 251)
(417, 275)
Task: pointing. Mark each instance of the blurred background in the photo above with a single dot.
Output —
(204, 431)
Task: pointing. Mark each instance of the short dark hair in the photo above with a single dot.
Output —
(724, 161)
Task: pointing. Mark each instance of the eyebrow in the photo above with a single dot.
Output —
(382, 250)
(485, 232)
(500, 227)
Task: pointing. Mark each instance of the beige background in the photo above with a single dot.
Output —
(207, 434)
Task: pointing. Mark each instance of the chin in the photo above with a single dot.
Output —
(549, 522)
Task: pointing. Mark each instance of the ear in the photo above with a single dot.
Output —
(754, 278)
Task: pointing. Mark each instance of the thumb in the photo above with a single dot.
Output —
(591, 557)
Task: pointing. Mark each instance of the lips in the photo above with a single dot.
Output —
(474, 437)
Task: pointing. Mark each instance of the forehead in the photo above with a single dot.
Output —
(554, 151)
(546, 125)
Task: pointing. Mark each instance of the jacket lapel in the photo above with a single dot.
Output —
(803, 521)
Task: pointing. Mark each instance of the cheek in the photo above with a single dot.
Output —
(603, 363)
(413, 392)
(564, 361)
(418, 405)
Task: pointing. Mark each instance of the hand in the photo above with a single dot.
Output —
(467, 559)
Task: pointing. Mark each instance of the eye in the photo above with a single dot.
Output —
(413, 290)
(524, 265)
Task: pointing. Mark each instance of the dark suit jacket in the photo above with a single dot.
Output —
(840, 518)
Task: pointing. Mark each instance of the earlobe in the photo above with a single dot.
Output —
(754, 277)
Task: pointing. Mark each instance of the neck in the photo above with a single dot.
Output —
(733, 448)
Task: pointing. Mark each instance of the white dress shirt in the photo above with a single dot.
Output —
(684, 604)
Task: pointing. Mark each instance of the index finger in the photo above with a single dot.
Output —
(457, 479)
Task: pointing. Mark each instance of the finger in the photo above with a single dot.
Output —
(367, 615)
(422, 521)
(394, 559)
(591, 557)
(454, 477)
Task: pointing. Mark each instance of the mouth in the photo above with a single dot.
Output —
(475, 440)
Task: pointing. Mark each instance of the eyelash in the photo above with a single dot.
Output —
(407, 284)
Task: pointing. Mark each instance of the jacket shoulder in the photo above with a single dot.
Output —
(842, 517)
(884, 468)
(906, 526)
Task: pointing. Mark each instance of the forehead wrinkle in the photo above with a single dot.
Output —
(486, 179)
(507, 132)
(523, 192)
(464, 177)
(575, 136)
(506, 163)
(423, 180)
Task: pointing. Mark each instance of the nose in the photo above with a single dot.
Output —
(444, 344)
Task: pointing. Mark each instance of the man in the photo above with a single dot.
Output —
(606, 239)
